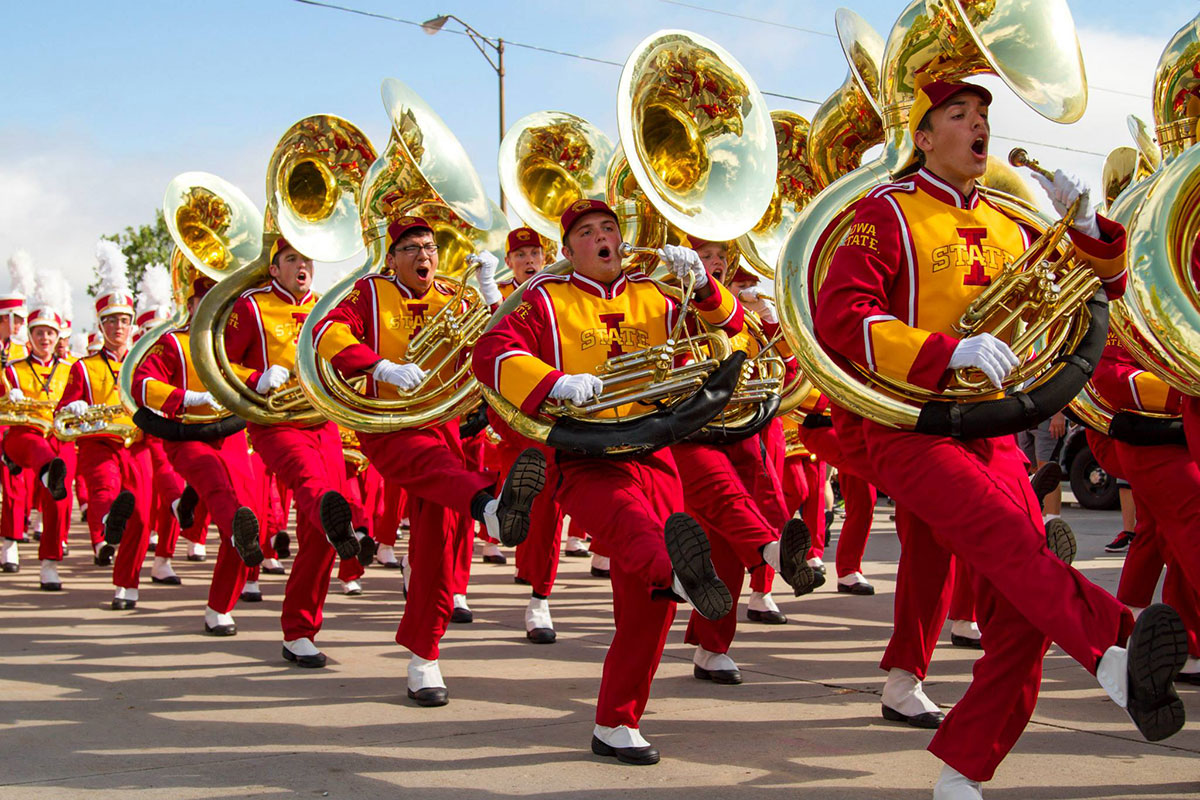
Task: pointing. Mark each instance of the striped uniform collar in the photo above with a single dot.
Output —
(597, 288)
(942, 190)
(283, 294)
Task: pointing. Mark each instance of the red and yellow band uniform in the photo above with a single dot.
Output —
(32, 450)
(918, 251)
(218, 470)
(14, 507)
(262, 332)
(108, 467)
(573, 324)
(376, 320)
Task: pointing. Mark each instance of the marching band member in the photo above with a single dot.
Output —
(14, 507)
(261, 337)
(219, 470)
(117, 476)
(888, 305)
(40, 377)
(719, 490)
(547, 348)
(369, 333)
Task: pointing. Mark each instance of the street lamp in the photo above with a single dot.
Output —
(432, 26)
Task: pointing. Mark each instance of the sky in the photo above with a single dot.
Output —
(102, 103)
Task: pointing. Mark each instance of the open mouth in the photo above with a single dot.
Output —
(530, 271)
(979, 146)
(604, 252)
(422, 272)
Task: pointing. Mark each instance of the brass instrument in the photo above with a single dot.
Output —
(27, 412)
(1032, 47)
(547, 161)
(352, 452)
(312, 183)
(850, 121)
(424, 172)
(96, 419)
(216, 230)
(1158, 318)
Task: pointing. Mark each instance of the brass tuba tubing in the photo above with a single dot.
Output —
(1019, 157)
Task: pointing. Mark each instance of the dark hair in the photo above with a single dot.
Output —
(409, 234)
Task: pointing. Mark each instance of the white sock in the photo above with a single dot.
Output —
(903, 692)
(162, 568)
(574, 543)
(620, 736)
(770, 554)
(460, 601)
(600, 562)
(214, 618)
(423, 674)
(386, 554)
(351, 586)
(1190, 666)
(953, 785)
(302, 647)
(490, 520)
(852, 579)
(271, 563)
(490, 549)
(49, 571)
(9, 553)
(1047, 517)
(122, 593)
(1112, 673)
(251, 587)
(706, 659)
(815, 562)
(197, 549)
(761, 601)
(537, 614)
(965, 627)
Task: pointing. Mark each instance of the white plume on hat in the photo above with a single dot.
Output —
(20, 272)
(154, 291)
(111, 268)
(50, 291)
(79, 341)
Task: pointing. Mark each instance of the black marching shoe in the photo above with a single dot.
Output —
(123, 604)
(727, 677)
(930, 720)
(1158, 649)
(860, 589)
(170, 580)
(767, 617)
(118, 517)
(638, 756)
(1048, 476)
(525, 480)
(966, 641)
(54, 477)
(338, 522)
(10, 567)
(245, 537)
(517, 579)
(220, 630)
(541, 635)
(282, 545)
(430, 696)
(309, 662)
(367, 547)
(794, 544)
(599, 573)
(185, 512)
(691, 559)
(104, 556)
(250, 596)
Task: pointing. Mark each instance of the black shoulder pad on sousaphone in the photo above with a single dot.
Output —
(653, 431)
(717, 434)
(1023, 410)
(172, 431)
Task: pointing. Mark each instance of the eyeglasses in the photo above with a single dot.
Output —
(411, 250)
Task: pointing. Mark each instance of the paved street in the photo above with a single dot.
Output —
(103, 704)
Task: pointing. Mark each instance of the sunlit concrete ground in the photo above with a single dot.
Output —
(96, 703)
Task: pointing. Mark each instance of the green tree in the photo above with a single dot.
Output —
(142, 246)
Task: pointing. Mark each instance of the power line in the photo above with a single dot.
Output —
(537, 48)
(749, 19)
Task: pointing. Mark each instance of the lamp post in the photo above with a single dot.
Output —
(432, 26)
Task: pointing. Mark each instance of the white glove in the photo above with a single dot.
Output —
(1062, 191)
(986, 353)
(577, 388)
(191, 398)
(15, 395)
(486, 275)
(405, 376)
(759, 304)
(76, 407)
(681, 261)
(273, 377)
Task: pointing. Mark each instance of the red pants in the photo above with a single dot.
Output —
(166, 488)
(309, 462)
(109, 468)
(429, 465)
(716, 495)
(14, 508)
(857, 493)
(962, 599)
(395, 509)
(813, 510)
(626, 504)
(32, 451)
(1025, 596)
(537, 557)
(220, 473)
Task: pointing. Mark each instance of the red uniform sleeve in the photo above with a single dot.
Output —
(506, 357)
(1105, 255)
(854, 318)
(721, 308)
(1126, 386)
(158, 380)
(339, 335)
(242, 342)
(76, 388)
